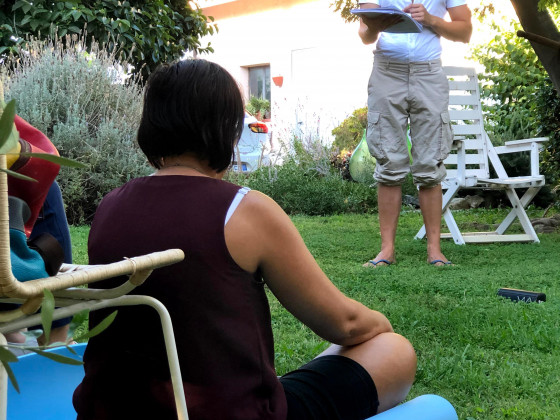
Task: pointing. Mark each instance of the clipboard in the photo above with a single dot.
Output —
(406, 25)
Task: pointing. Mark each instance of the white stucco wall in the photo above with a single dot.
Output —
(324, 65)
(321, 58)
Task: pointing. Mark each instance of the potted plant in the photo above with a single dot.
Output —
(259, 108)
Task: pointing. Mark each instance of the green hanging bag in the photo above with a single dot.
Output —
(362, 163)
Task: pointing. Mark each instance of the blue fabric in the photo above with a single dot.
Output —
(52, 219)
(27, 263)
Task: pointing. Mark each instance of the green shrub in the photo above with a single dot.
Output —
(341, 162)
(81, 99)
(301, 189)
(258, 107)
(512, 74)
(307, 183)
(149, 32)
(520, 101)
(349, 133)
(548, 106)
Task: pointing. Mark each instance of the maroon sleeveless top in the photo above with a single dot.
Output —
(220, 312)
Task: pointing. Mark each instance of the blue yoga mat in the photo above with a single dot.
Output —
(424, 407)
(46, 389)
(46, 386)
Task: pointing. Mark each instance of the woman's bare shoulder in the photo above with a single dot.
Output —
(254, 229)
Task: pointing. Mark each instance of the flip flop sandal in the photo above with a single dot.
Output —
(381, 260)
(434, 262)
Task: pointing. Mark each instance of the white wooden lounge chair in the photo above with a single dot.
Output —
(71, 300)
(468, 166)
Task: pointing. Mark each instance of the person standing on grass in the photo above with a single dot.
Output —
(408, 85)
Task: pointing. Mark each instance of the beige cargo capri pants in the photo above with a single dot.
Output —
(398, 92)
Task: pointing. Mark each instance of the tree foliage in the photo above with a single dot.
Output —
(148, 32)
(512, 75)
(544, 4)
(519, 97)
(344, 7)
(548, 107)
(349, 133)
(77, 98)
(540, 29)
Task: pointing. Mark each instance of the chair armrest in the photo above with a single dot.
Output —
(70, 268)
(527, 141)
(458, 140)
(533, 145)
(459, 146)
(523, 145)
(140, 266)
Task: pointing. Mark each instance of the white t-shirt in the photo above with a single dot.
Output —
(423, 46)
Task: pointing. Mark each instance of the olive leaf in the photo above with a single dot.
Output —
(56, 159)
(18, 175)
(47, 311)
(9, 370)
(56, 357)
(99, 328)
(9, 135)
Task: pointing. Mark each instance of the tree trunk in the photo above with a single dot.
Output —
(540, 23)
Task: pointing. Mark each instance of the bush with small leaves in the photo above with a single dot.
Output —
(310, 188)
(349, 133)
(84, 101)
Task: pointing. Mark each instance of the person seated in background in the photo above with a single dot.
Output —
(38, 223)
(52, 221)
(237, 244)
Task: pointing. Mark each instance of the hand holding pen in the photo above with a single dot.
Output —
(419, 13)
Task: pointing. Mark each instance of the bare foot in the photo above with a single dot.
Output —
(15, 337)
(58, 335)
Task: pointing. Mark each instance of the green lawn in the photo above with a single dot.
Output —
(492, 358)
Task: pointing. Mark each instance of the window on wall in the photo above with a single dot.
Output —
(259, 82)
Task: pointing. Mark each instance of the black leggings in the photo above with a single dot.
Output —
(330, 388)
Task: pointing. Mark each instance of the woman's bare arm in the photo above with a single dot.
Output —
(261, 235)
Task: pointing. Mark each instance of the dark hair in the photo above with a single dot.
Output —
(191, 106)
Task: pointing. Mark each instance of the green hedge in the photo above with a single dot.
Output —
(313, 190)
(83, 101)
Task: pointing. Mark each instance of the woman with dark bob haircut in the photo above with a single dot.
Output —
(236, 241)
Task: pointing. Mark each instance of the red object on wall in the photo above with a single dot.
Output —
(278, 80)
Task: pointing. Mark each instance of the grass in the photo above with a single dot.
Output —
(79, 244)
(492, 358)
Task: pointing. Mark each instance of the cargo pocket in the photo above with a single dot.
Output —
(374, 136)
(446, 139)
